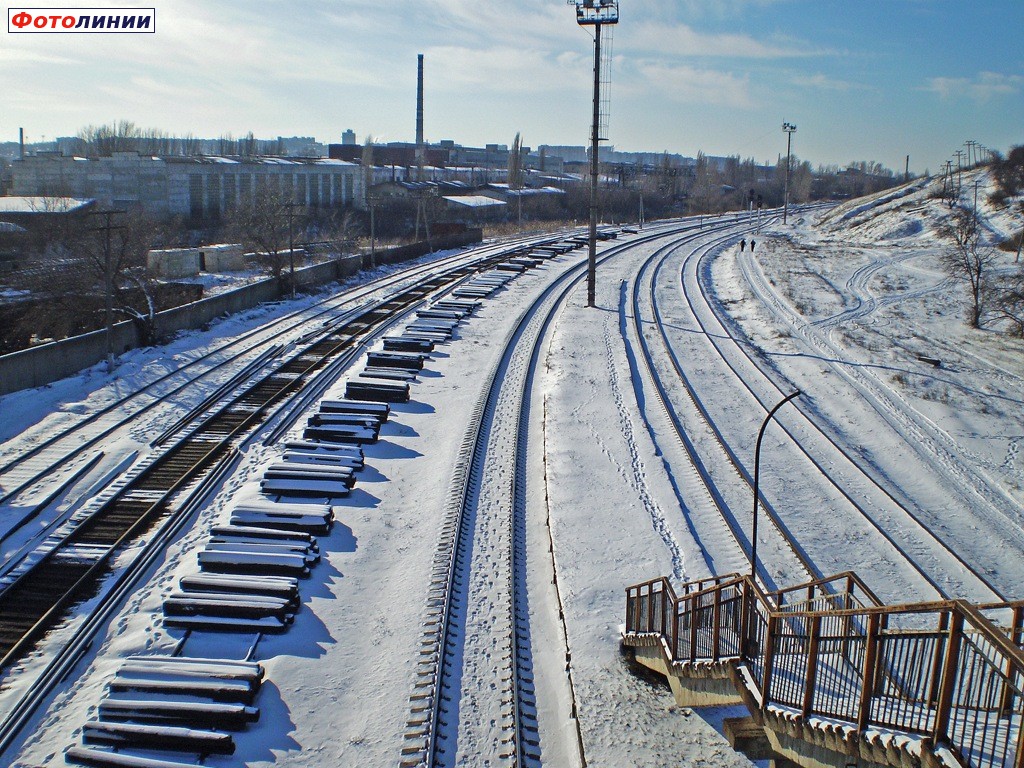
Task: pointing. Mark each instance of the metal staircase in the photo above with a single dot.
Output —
(832, 673)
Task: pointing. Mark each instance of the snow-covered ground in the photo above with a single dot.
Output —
(844, 306)
(839, 304)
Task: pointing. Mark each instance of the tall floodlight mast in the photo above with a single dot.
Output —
(595, 13)
(789, 128)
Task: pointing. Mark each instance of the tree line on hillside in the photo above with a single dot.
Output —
(995, 290)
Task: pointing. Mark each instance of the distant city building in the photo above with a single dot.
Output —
(196, 186)
(393, 153)
(301, 146)
(608, 154)
(348, 137)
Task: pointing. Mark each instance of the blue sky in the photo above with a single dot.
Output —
(861, 79)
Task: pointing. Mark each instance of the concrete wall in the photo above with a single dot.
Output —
(51, 362)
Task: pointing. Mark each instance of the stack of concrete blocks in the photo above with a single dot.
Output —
(173, 263)
(226, 257)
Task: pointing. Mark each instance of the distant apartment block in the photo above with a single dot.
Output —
(196, 186)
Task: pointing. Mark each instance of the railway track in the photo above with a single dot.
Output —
(876, 502)
(474, 689)
(160, 495)
(26, 472)
(717, 336)
(705, 489)
(1001, 518)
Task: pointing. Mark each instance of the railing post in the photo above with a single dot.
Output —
(746, 607)
(1007, 702)
(675, 629)
(650, 609)
(812, 666)
(693, 632)
(666, 603)
(629, 610)
(867, 690)
(950, 666)
(940, 645)
(769, 658)
(716, 629)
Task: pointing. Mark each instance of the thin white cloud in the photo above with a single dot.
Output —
(16, 56)
(693, 85)
(682, 40)
(825, 83)
(721, 9)
(984, 87)
(502, 69)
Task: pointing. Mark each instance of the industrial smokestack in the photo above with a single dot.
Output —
(419, 109)
(21, 143)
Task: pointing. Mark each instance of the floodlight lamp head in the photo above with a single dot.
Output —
(788, 127)
(590, 12)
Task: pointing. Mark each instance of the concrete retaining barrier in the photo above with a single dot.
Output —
(47, 363)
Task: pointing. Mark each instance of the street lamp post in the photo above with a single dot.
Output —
(789, 128)
(757, 472)
(595, 13)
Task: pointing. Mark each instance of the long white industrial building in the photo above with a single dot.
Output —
(200, 186)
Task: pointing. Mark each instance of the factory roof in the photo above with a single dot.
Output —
(474, 201)
(18, 204)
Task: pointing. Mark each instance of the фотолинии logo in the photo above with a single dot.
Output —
(41, 20)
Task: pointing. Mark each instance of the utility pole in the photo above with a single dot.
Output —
(789, 128)
(906, 171)
(108, 280)
(290, 213)
(959, 169)
(595, 13)
(972, 155)
(373, 234)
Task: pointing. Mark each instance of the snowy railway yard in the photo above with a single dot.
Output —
(395, 525)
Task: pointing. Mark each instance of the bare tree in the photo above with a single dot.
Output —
(515, 164)
(343, 230)
(260, 223)
(79, 268)
(1009, 302)
(969, 259)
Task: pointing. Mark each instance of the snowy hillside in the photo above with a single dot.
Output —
(856, 309)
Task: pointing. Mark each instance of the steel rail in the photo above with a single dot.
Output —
(664, 399)
(63, 663)
(200, 449)
(69, 655)
(301, 317)
(713, 335)
(449, 565)
(773, 514)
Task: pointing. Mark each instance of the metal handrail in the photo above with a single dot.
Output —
(958, 684)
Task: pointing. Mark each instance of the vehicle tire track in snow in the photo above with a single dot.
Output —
(866, 302)
(935, 447)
